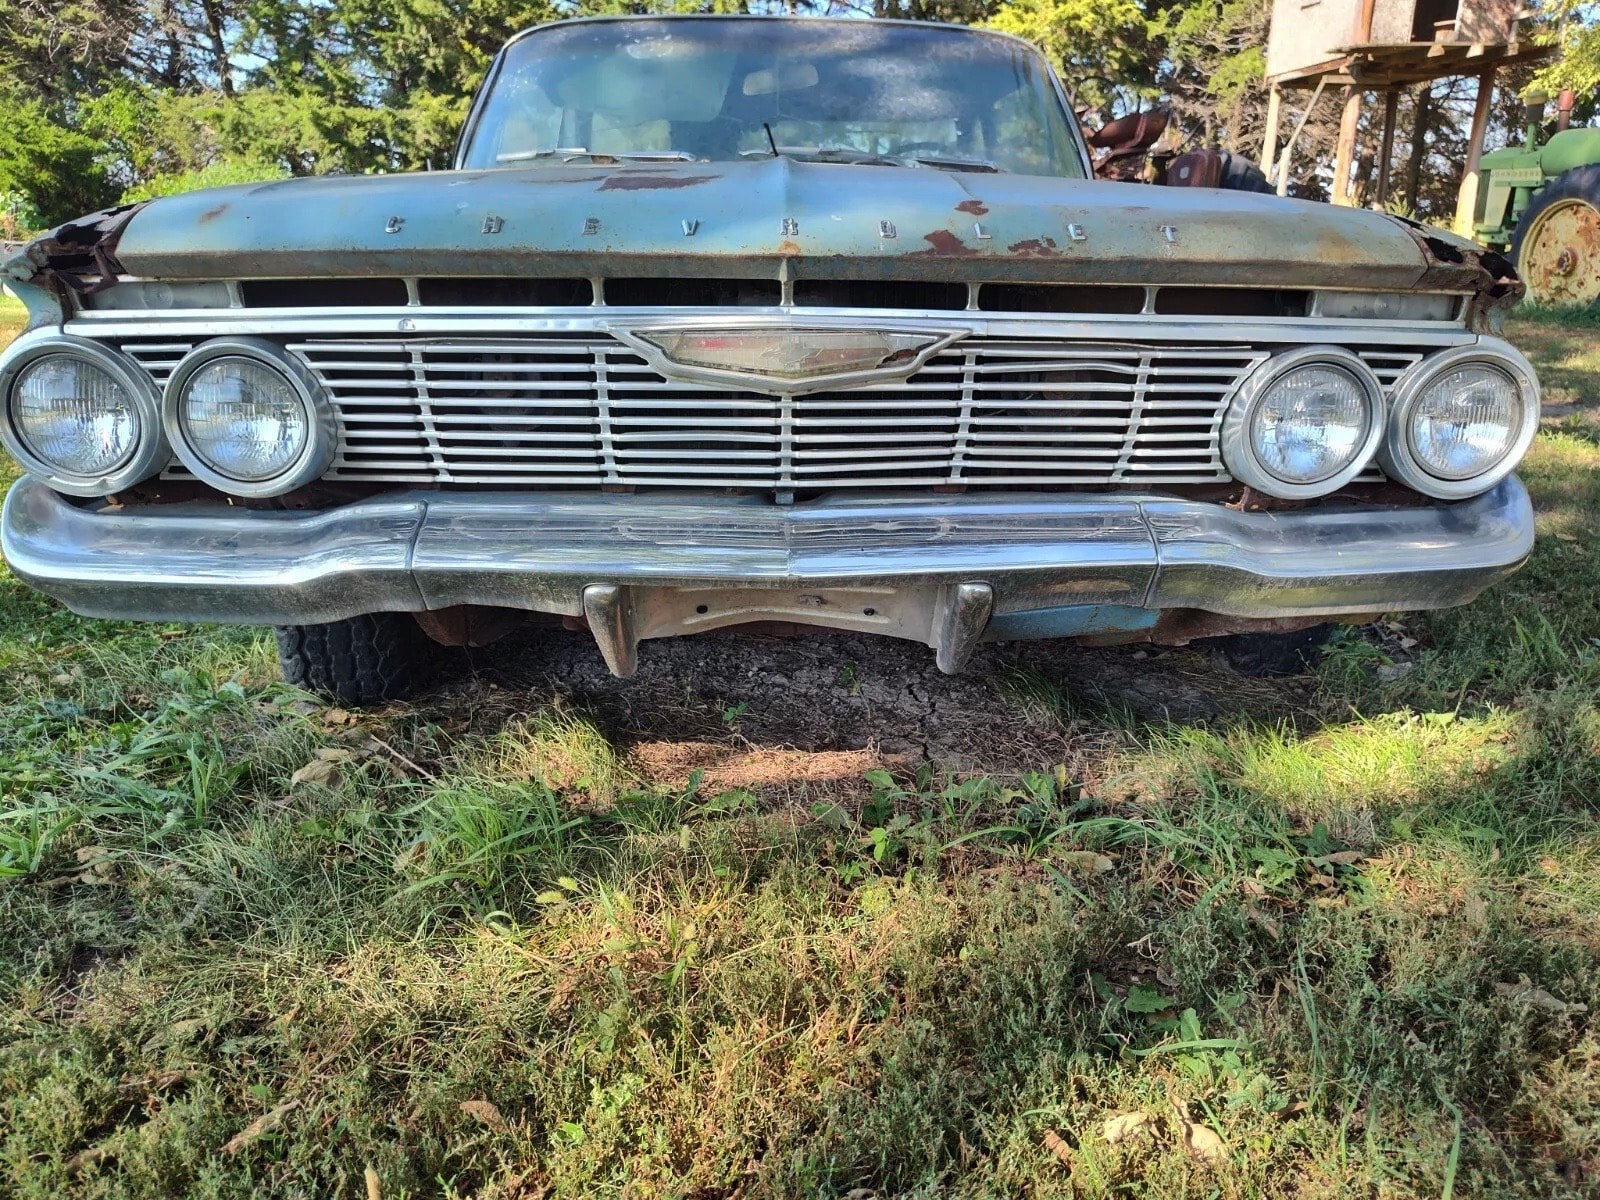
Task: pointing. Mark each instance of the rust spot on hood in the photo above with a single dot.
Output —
(1040, 247)
(211, 214)
(946, 244)
(648, 183)
(976, 207)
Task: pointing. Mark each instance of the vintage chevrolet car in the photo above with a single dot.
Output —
(728, 321)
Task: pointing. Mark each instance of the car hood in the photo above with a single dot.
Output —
(764, 217)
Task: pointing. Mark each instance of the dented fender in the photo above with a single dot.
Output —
(1455, 264)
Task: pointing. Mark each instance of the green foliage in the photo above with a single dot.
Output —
(1575, 25)
(1104, 50)
(57, 172)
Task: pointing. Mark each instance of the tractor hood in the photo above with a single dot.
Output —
(757, 218)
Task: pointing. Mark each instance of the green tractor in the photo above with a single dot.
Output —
(1541, 202)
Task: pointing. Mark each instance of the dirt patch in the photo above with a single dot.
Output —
(733, 704)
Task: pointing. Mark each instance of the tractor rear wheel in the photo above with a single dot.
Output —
(1557, 244)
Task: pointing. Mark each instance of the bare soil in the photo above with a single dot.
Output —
(839, 702)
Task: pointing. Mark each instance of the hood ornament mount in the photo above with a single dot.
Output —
(785, 358)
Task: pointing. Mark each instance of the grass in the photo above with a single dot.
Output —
(12, 316)
(251, 946)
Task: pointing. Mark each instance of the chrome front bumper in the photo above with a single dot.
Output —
(945, 570)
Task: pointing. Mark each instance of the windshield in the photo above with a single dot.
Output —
(723, 89)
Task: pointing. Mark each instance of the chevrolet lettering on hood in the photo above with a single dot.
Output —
(732, 321)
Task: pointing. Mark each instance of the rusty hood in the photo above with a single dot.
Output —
(764, 217)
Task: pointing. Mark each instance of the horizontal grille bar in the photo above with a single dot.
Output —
(588, 411)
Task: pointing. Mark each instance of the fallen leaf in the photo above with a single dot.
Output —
(1523, 992)
(334, 754)
(485, 1111)
(374, 1189)
(338, 716)
(1202, 1143)
(85, 1158)
(260, 1127)
(1057, 1145)
(177, 1033)
(1084, 860)
(318, 770)
(1123, 1126)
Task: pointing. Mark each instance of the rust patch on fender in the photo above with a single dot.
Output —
(943, 242)
(211, 214)
(650, 183)
(976, 207)
(1040, 247)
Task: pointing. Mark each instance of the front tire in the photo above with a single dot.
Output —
(359, 661)
(1556, 247)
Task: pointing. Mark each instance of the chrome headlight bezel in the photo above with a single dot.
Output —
(321, 428)
(1238, 447)
(1397, 457)
(150, 452)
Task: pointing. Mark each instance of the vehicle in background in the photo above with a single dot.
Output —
(1540, 202)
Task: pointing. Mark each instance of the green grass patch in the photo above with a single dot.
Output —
(251, 946)
(13, 316)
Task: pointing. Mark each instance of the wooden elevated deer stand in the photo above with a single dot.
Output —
(1385, 46)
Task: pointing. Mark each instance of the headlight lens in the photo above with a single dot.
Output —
(1310, 424)
(1465, 422)
(244, 420)
(74, 416)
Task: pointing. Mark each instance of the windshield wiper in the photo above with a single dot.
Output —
(956, 164)
(864, 158)
(572, 153)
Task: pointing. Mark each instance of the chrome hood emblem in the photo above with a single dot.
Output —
(786, 358)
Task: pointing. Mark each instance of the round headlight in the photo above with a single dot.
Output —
(1310, 424)
(1462, 420)
(79, 415)
(248, 418)
(1304, 424)
(74, 415)
(244, 419)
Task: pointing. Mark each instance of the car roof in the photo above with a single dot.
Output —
(945, 26)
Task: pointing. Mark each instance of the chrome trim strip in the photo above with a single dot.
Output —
(422, 550)
(346, 322)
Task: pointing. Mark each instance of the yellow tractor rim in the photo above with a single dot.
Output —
(1560, 257)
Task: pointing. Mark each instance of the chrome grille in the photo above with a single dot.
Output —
(586, 411)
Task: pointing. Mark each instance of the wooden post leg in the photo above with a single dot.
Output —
(1391, 102)
(1345, 153)
(1467, 197)
(1269, 140)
